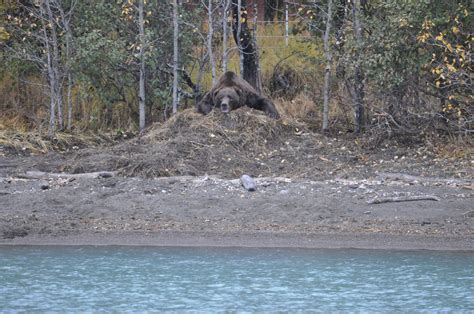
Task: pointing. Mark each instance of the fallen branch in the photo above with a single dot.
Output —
(47, 175)
(410, 178)
(403, 199)
(264, 181)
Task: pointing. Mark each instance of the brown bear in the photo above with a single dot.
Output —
(232, 92)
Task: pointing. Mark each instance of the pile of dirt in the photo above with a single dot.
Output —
(248, 142)
(244, 141)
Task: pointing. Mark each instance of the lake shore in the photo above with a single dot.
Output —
(253, 240)
(213, 212)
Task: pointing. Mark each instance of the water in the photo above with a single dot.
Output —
(133, 279)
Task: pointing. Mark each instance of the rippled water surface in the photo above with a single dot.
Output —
(146, 279)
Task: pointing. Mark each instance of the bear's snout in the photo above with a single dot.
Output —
(225, 105)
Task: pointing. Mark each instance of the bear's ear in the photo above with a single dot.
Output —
(205, 105)
(238, 91)
(214, 94)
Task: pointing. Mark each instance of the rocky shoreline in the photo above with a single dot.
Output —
(208, 211)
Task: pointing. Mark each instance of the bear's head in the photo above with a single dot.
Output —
(227, 98)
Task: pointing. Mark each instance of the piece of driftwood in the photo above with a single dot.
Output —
(234, 182)
(248, 183)
(396, 199)
(47, 175)
(469, 214)
(410, 178)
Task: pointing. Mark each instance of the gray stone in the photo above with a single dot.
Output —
(248, 183)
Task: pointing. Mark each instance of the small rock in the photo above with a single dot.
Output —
(44, 185)
(284, 192)
(248, 183)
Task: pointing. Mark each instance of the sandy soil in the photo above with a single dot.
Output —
(209, 211)
(315, 191)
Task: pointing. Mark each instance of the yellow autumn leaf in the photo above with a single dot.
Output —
(4, 35)
(450, 68)
(455, 30)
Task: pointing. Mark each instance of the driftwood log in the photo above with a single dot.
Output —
(410, 178)
(48, 175)
(403, 199)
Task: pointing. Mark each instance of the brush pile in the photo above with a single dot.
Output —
(244, 141)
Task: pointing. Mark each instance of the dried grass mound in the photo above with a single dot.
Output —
(226, 145)
(244, 141)
(37, 143)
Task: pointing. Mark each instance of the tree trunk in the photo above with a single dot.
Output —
(51, 78)
(175, 56)
(239, 40)
(68, 61)
(257, 64)
(209, 42)
(55, 64)
(244, 41)
(358, 75)
(340, 18)
(141, 95)
(327, 70)
(69, 101)
(225, 59)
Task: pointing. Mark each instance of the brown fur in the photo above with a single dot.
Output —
(232, 92)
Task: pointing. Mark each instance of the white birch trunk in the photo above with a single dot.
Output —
(239, 38)
(257, 57)
(287, 28)
(175, 56)
(67, 29)
(327, 70)
(69, 101)
(55, 64)
(210, 33)
(51, 79)
(141, 92)
(225, 38)
(358, 75)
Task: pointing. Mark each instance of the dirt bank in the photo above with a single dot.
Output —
(89, 211)
(315, 191)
